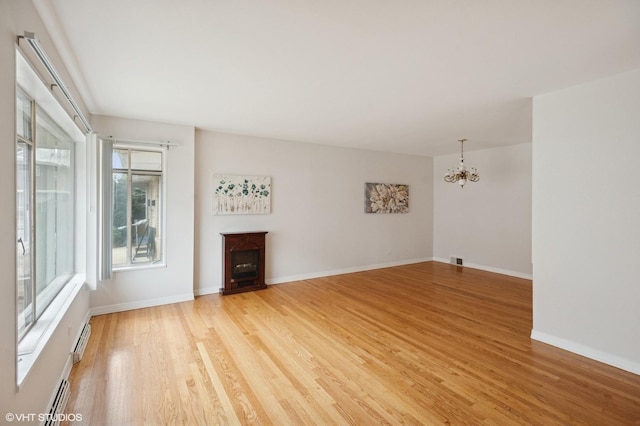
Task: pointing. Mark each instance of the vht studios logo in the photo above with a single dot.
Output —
(43, 417)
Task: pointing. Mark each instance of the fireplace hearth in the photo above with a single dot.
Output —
(243, 262)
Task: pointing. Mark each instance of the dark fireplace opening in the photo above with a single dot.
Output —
(244, 264)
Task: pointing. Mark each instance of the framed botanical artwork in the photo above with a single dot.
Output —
(241, 194)
(386, 198)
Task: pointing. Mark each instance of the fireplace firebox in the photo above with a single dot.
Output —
(243, 262)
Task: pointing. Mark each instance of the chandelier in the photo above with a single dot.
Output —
(461, 174)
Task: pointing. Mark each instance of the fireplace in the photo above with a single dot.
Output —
(243, 262)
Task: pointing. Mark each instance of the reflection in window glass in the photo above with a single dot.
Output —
(120, 159)
(146, 160)
(24, 238)
(23, 116)
(54, 210)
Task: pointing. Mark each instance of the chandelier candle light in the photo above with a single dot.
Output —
(461, 174)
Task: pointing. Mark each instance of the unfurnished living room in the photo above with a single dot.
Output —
(293, 213)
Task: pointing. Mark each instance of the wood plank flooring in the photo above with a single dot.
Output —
(426, 344)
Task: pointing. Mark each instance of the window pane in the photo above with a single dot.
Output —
(23, 115)
(146, 160)
(119, 215)
(145, 215)
(24, 235)
(54, 213)
(136, 222)
(120, 159)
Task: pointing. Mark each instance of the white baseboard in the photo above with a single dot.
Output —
(489, 269)
(127, 306)
(308, 276)
(207, 290)
(586, 351)
(290, 278)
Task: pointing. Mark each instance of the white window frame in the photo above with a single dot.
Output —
(33, 341)
(106, 201)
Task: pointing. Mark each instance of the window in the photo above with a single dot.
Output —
(24, 222)
(45, 225)
(136, 232)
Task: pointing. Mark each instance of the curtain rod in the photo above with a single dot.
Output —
(137, 141)
(31, 39)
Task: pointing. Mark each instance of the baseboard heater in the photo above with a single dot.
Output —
(59, 404)
(81, 345)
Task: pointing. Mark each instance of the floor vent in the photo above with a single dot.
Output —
(81, 345)
(456, 261)
(59, 404)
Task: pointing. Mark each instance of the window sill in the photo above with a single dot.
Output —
(139, 267)
(36, 339)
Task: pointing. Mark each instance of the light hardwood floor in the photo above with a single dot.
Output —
(427, 343)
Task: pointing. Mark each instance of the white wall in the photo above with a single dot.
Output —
(17, 16)
(317, 225)
(586, 220)
(173, 283)
(486, 223)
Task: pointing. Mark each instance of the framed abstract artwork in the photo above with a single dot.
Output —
(386, 198)
(241, 194)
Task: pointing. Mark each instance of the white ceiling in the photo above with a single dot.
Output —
(408, 76)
